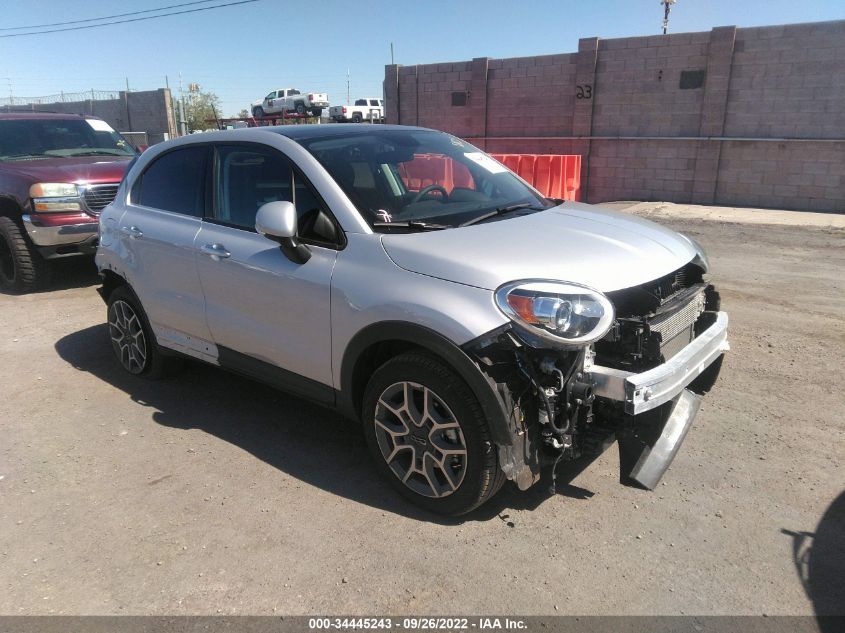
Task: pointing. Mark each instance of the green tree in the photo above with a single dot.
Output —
(200, 109)
(243, 114)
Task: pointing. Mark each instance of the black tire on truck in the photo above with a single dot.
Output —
(317, 112)
(258, 112)
(357, 117)
(428, 435)
(22, 269)
(300, 108)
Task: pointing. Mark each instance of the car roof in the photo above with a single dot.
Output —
(43, 115)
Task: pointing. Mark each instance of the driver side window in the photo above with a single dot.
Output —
(249, 176)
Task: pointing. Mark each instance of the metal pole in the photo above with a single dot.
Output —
(347, 86)
(183, 121)
(126, 102)
(667, 7)
(391, 53)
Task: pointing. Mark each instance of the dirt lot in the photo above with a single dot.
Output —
(208, 494)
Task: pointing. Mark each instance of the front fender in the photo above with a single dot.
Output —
(422, 337)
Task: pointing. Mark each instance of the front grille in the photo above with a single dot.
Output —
(650, 297)
(668, 286)
(97, 197)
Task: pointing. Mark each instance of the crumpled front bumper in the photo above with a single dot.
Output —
(648, 390)
(647, 449)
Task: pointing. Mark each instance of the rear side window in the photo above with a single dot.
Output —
(360, 102)
(175, 181)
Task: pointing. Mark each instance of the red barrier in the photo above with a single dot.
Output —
(554, 175)
(434, 169)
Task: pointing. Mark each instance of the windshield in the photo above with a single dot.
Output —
(33, 139)
(401, 176)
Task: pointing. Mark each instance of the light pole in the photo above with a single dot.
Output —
(667, 7)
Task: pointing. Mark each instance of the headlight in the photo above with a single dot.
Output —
(700, 255)
(53, 190)
(562, 313)
(50, 197)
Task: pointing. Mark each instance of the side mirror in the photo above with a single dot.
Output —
(277, 221)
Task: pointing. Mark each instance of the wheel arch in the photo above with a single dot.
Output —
(10, 208)
(111, 281)
(379, 342)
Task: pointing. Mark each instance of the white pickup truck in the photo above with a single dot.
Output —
(291, 100)
(369, 109)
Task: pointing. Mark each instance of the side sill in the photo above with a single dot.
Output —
(277, 377)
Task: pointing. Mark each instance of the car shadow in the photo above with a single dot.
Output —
(73, 272)
(65, 274)
(819, 560)
(309, 442)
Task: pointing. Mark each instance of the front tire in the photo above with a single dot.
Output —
(22, 269)
(132, 338)
(258, 112)
(428, 436)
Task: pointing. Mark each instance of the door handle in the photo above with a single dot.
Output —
(132, 231)
(215, 251)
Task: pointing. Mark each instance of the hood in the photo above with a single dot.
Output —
(573, 242)
(80, 170)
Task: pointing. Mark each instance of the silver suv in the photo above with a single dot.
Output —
(478, 331)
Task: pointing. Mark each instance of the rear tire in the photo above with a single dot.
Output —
(317, 112)
(428, 435)
(357, 118)
(132, 338)
(22, 269)
(300, 108)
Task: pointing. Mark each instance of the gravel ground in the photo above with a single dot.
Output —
(207, 493)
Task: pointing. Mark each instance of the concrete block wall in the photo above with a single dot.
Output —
(510, 80)
(765, 127)
(788, 81)
(149, 111)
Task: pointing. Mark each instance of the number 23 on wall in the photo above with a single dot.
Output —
(584, 92)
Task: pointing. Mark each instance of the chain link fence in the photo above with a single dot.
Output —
(62, 97)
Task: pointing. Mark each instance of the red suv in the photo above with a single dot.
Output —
(57, 172)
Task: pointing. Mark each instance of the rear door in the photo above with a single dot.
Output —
(157, 233)
(269, 316)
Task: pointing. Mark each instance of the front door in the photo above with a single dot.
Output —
(269, 316)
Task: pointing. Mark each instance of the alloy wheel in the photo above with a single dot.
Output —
(420, 439)
(127, 337)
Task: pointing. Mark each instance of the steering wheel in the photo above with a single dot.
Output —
(427, 190)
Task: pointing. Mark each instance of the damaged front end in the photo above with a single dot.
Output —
(638, 381)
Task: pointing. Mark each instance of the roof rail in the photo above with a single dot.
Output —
(28, 109)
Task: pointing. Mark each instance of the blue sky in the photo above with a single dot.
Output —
(242, 52)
